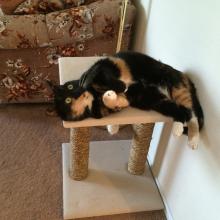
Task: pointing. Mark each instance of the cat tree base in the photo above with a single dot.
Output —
(109, 188)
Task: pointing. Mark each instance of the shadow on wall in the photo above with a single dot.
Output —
(208, 141)
(141, 23)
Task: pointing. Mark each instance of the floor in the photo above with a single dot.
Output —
(30, 165)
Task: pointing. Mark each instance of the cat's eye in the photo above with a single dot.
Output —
(70, 87)
(68, 100)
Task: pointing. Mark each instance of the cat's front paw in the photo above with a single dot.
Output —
(110, 99)
(178, 128)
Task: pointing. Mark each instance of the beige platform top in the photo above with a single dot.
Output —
(71, 68)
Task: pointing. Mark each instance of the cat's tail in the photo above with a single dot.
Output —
(197, 109)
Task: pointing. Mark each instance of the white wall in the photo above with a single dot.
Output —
(186, 35)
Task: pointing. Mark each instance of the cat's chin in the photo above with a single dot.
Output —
(86, 114)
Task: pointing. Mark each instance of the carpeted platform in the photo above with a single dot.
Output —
(30, 164)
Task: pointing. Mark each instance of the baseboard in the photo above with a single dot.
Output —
(167, 210)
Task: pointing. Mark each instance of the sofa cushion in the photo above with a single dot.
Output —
(76, 3)
(26, 31)
(47, 6)
(39, 6)
(71, 25)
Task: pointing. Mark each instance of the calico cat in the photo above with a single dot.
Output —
(146, 84)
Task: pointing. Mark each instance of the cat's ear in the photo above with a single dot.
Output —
(86, 79)
(52, 85)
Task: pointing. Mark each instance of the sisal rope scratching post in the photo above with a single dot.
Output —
(139, 149)
(142, 132)
(79, 141)
(79, 137)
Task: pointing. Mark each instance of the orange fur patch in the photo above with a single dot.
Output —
(181, 94)
(126, 75)
(79, 105)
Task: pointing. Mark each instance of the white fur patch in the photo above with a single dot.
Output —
(177, 128)
(193, 132)
(193, 142)
(113, 129)
(164, 91)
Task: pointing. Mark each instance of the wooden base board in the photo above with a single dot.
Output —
(109, 189)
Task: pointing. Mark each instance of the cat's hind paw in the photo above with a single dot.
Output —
(178, 128)
(193, 142)
(113, 129)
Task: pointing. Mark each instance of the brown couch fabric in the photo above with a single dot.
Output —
(8, 6)
(75, 24)
(88, 30)
(22, 7)
(27, 31)
(39, 6)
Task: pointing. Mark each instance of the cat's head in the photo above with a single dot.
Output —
(71, 101)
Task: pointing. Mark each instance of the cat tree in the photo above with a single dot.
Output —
(107, 188)
(110, 182)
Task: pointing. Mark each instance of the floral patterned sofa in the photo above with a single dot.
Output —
(34, 34)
